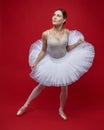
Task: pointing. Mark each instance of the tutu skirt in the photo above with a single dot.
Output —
(65, 70)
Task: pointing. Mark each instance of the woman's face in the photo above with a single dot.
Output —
(57, 18)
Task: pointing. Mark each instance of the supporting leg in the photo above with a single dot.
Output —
(63, 97)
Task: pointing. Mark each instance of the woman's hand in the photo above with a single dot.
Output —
(80, 41)
(70, 47)
(34, 65)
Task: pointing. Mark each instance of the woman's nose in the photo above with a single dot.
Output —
(54, 17)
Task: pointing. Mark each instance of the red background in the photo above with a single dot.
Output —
(22, 22)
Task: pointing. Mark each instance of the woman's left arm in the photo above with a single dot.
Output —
(70, 47)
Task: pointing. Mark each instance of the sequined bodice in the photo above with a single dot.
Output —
(55, 47)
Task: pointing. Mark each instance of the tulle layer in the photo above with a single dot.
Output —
(63, 71)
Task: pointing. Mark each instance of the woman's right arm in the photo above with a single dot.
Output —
(43, 51)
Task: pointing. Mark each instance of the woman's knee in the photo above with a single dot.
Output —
(40, 87)
(64, 88)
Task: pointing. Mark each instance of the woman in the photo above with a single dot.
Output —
(59, 59)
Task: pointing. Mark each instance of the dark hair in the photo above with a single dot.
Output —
(64, 13)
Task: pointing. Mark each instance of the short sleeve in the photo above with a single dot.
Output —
(74, 36)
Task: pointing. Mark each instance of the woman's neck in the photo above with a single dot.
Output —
(58, 28)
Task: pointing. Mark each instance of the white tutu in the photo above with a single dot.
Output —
(62, 71)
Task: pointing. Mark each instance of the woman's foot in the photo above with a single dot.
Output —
(62, 114)
(21, 111)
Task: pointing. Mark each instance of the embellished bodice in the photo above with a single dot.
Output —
(57, 47)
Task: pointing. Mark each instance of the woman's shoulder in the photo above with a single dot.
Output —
(45, 33)
(67, 31)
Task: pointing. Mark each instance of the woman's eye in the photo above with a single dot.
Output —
(58, 15)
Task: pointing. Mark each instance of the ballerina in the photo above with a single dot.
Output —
(60, 58)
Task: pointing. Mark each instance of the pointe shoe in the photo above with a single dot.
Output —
(21, 111)
(62, 115)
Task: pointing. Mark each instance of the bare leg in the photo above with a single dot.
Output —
(63, 97)
(36, 91)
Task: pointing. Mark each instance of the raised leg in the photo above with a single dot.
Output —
(35, 92)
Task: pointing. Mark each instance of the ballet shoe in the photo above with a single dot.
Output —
(21, 111)
(62, 115)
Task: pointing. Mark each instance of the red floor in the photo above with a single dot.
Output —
(83, 112)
